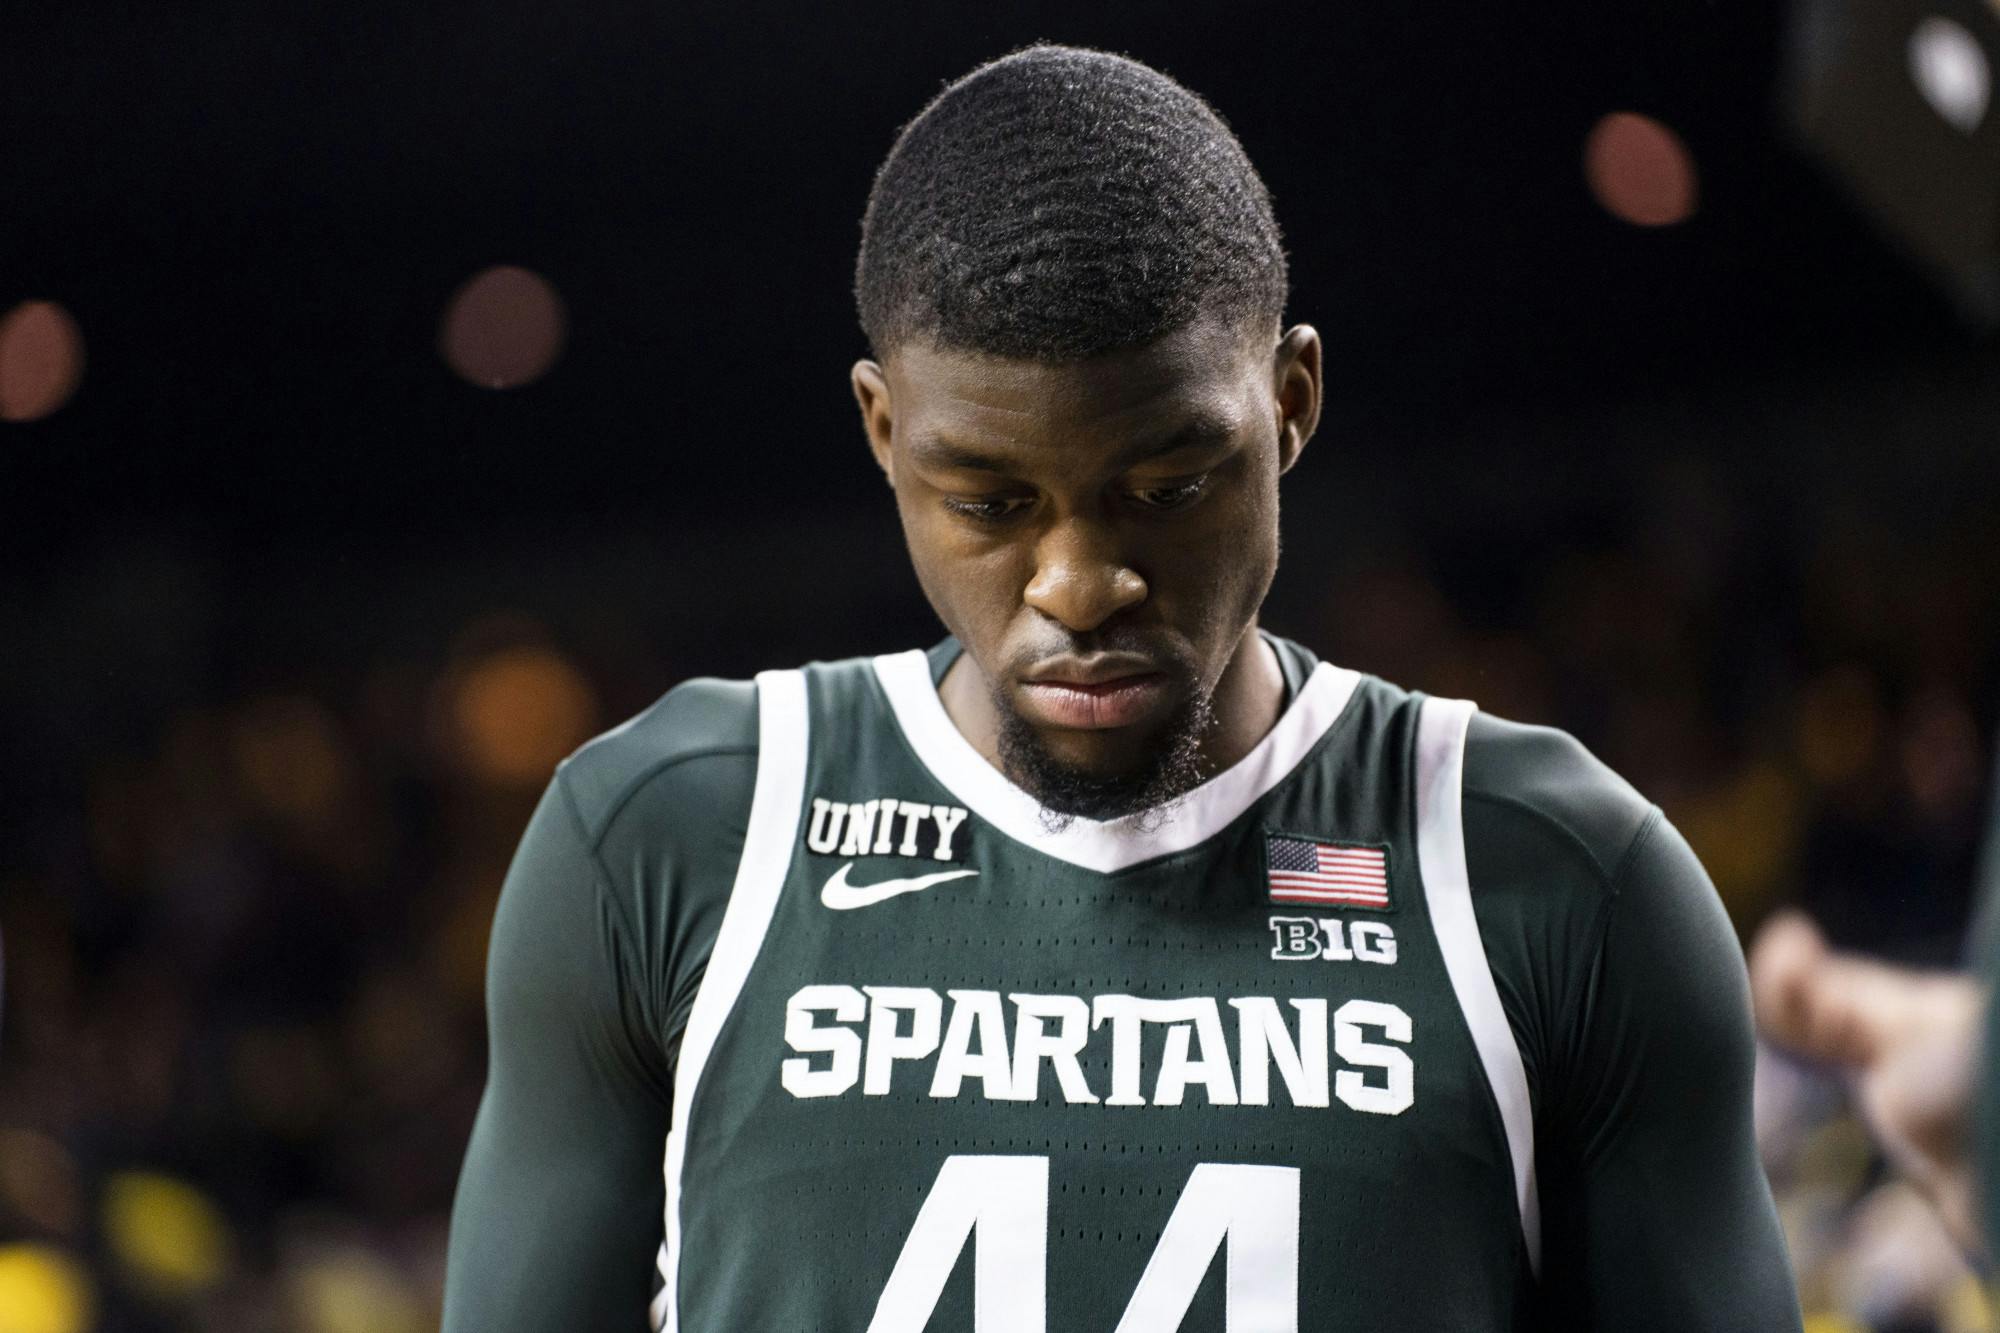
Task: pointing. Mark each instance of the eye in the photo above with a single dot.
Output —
(1164, 499)
(989, 510)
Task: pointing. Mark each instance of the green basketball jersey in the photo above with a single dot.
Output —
(1115, 1076)
(1408, 1020)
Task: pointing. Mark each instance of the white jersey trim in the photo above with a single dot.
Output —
(1107, 845)
(768, 842)
(1441, 728)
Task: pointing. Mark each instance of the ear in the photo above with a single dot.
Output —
(1295, 378)
(878, 417)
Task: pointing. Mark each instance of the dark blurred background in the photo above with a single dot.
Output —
(1649, 416)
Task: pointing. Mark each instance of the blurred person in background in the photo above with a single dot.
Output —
(1907, 1041)
(937, 950)
(1912, 1045)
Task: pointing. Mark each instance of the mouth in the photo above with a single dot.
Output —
(1096, 693)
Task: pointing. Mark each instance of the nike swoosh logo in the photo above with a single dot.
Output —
(842, 896)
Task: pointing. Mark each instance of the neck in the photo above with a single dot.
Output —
(1248, 699)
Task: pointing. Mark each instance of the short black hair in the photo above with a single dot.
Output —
(1059, 203)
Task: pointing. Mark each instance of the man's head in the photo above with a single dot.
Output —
(1072, 282)
(1057, 204)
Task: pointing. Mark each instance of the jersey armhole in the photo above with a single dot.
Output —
(1440, 774)
(783, 738)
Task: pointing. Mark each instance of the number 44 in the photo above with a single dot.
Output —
(1003, 1203)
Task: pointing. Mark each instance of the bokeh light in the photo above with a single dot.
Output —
(1950, 69)
(1639, 170)
(517, 712)
(1822, 1322)
(38, 1181)
(348, 1290)
(168, 1237)
(1942, 760)
(291, 757)
(1761, 796)
(504, 328)
(43, 1290)
(41, 360)
(1839, 725)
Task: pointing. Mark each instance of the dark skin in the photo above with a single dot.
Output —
(1100, 535)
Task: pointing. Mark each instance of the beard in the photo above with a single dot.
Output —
(1067, 793)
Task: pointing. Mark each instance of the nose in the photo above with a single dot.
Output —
(1080, 578)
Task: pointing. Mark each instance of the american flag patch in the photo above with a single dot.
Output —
(1337, 874)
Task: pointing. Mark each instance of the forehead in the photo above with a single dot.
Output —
(1208, 373)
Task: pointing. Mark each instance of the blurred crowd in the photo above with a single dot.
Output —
(245, 899)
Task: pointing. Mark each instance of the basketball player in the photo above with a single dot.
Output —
(1112, 964)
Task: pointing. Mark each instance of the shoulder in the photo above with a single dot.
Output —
(615, 890)
(1549, 833)
(696, 734)
(1590, 903)
(1537, 791)
(660, 804)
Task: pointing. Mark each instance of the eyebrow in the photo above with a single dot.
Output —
(1201, 431)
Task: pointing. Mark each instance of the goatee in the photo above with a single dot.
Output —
(1068, 793)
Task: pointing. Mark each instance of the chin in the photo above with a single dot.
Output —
(1106, 773)
(1102, 755)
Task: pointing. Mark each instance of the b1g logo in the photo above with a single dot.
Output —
(1301, 938)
